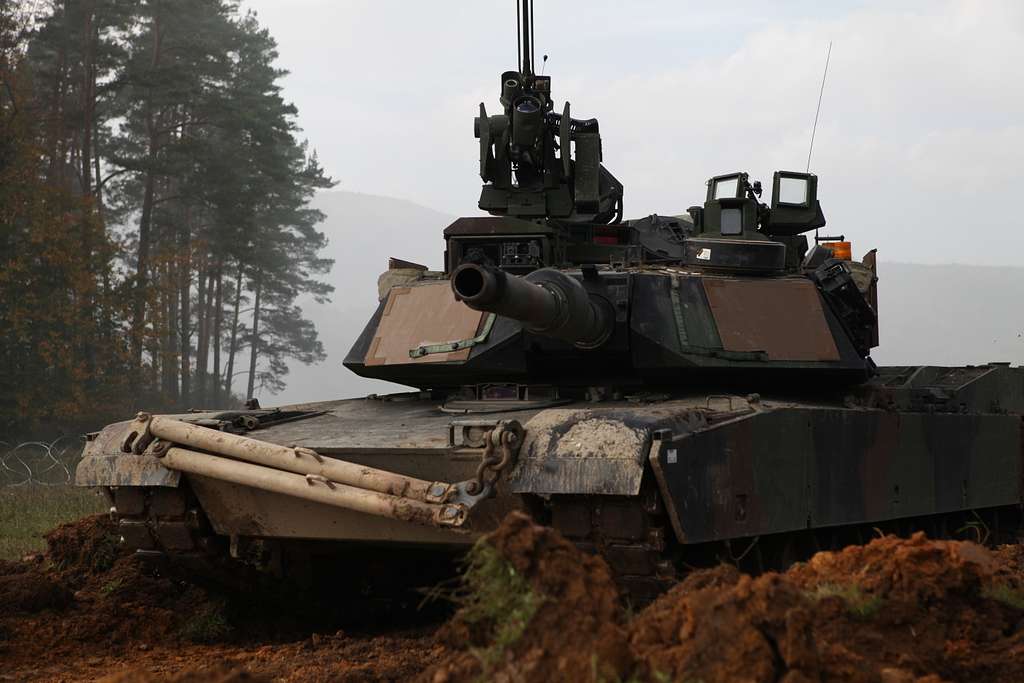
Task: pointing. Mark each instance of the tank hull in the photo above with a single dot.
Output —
(667, 471)
(804, 467)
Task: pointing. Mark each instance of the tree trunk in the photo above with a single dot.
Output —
(145, 224)
(218, 315)
(208, 317)
(171, 326)
(96, 171)
(229, 376)
(87, 317)
(142, 268)
(88, 97)
(185, 292)
(254, 345)
(163, 318)
(56, 146)
(206, 291)
(199, 388)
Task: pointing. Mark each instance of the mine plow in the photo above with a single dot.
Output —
(303, 473)
(155, 454)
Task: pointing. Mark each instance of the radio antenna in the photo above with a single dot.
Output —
(817, 111)
(533, 36)
(527, 32)
(519, 41)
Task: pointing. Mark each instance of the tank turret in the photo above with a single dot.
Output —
(556, 289)
(547, 302)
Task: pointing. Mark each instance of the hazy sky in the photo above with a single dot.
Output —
(920, 138)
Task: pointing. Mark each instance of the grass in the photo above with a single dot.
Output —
(496, 598)
(112, 586)
(27, 512)
(858, 603)
(209, 625)
(1004, 594)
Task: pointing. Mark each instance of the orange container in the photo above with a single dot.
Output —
(841, 250)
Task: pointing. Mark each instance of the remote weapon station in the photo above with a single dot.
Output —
(665, 391)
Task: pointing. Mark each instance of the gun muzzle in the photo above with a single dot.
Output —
(547, 302)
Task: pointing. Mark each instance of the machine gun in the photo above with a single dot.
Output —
(522, 176)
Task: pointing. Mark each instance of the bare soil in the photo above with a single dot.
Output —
(86, 611)
(892, 611)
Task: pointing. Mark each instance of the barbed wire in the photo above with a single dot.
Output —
(38, 463)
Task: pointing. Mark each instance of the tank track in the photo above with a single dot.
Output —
(632, 534)
(154, 521)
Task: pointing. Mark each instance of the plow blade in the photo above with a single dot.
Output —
(304, 474)
(315, 488)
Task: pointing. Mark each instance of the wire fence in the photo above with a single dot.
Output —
(38, 463)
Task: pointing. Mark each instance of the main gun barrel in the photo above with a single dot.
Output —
(547, 302)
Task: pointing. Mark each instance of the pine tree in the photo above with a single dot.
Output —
(58, 313)
(153, 209)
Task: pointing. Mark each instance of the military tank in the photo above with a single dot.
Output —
(666, 391)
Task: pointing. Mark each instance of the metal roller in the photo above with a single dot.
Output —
(315, 488)
(297, 460)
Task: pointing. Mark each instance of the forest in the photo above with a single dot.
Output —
(155, 229)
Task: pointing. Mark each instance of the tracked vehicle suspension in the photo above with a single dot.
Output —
(630, 533)
(633, 535)
(159, 520)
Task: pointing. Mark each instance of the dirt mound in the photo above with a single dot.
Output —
(948, 608)
(909, 570)
(747, 631)
(25, 589)
(221, 673)
(892, 611)
(87, 610)
(539, 610)
(40, 582)
(87, 593)
(532, 607)
(106, 596)
(337, 658)
(102, 596)
(84, 548)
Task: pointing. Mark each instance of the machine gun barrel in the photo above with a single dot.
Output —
(547, 302)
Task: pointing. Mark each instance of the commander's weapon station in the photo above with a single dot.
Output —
(565, 292)
(526, 159)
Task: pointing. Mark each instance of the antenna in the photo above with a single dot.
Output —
(519, 44)
(817, 111)
(527, 31)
